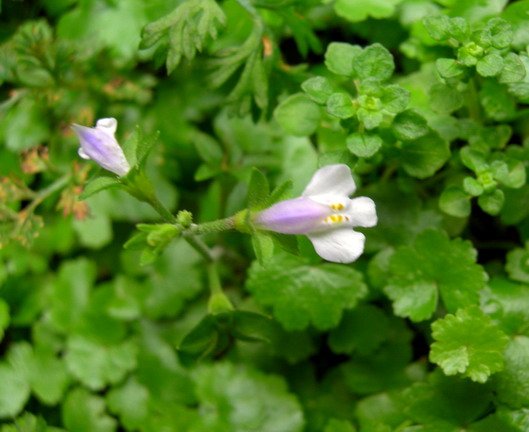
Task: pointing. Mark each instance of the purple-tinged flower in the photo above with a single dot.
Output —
(325, 214)
(100, 145)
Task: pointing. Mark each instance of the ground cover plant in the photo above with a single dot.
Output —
(264, 215)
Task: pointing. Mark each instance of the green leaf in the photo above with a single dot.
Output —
(445, 403)
(361, 330)
(96, 365)
(49, 378)
(301, 294)
(227, 400)
(4, 318)
(472, 187)
(517, 265)
(188, 27)
(258, 190)
(208, 148)
(370, 119)
(514, 69)
(25, 125)
(492, 202)
(335, 425)
(510, 173)
(85, 412)
(70, 293)
(455, 202)
(138, 146)
(131, 402)
(437, 26)
(378, 411)
(409, 125)
(445, 99)
(263, 246)
(423, 157)
(359, 10)
(383, 369)
(395, 98)
(468, 343)
(497, 33)
(298, 115)
(14, 391)
(363, 145)
(490, 65)
(434, 265)
(513, 381)
(340, 56)
(29, 423)
(507, 303)
(375, 61)
(449, 68)
(318, 88)
(497, 102)
(98, 184)
(341, 105)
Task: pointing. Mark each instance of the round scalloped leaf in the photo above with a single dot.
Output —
(300, 293)
(468, 343)
(233, 398)
(434, 265)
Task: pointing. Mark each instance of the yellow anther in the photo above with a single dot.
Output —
(336, 218)
(337, 206)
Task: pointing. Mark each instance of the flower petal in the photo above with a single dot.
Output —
(331, 179)
(108, 125)
(362, 212)
(294, 216)
(100, 145)
(342, 245)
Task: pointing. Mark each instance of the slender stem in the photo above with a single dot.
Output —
(474, 107)
(199, 246)
(46, 192)
(214, 279)
(214, 226)
(157, 205)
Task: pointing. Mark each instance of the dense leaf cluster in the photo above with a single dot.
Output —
(227, 107)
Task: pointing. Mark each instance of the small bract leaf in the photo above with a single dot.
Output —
(341, 105)
(455, 202)
(449, 68)
(298, 115)
(492, 202)
(339, 57)
(409, 125)
(422, 157)
(97, 185)
(517, 265)
(375, 61)
(363, 145)
(514, 69)
(468, 343)
(359, 10)
(490, 65)
(318, 89)
(445, 99)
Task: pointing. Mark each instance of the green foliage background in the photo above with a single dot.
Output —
(425, 100)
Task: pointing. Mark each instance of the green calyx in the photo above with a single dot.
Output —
(243, 221)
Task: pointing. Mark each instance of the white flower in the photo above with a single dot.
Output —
(100, 145)
(325, 214)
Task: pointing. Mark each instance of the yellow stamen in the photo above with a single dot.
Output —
(337, 206)
(334, 218)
